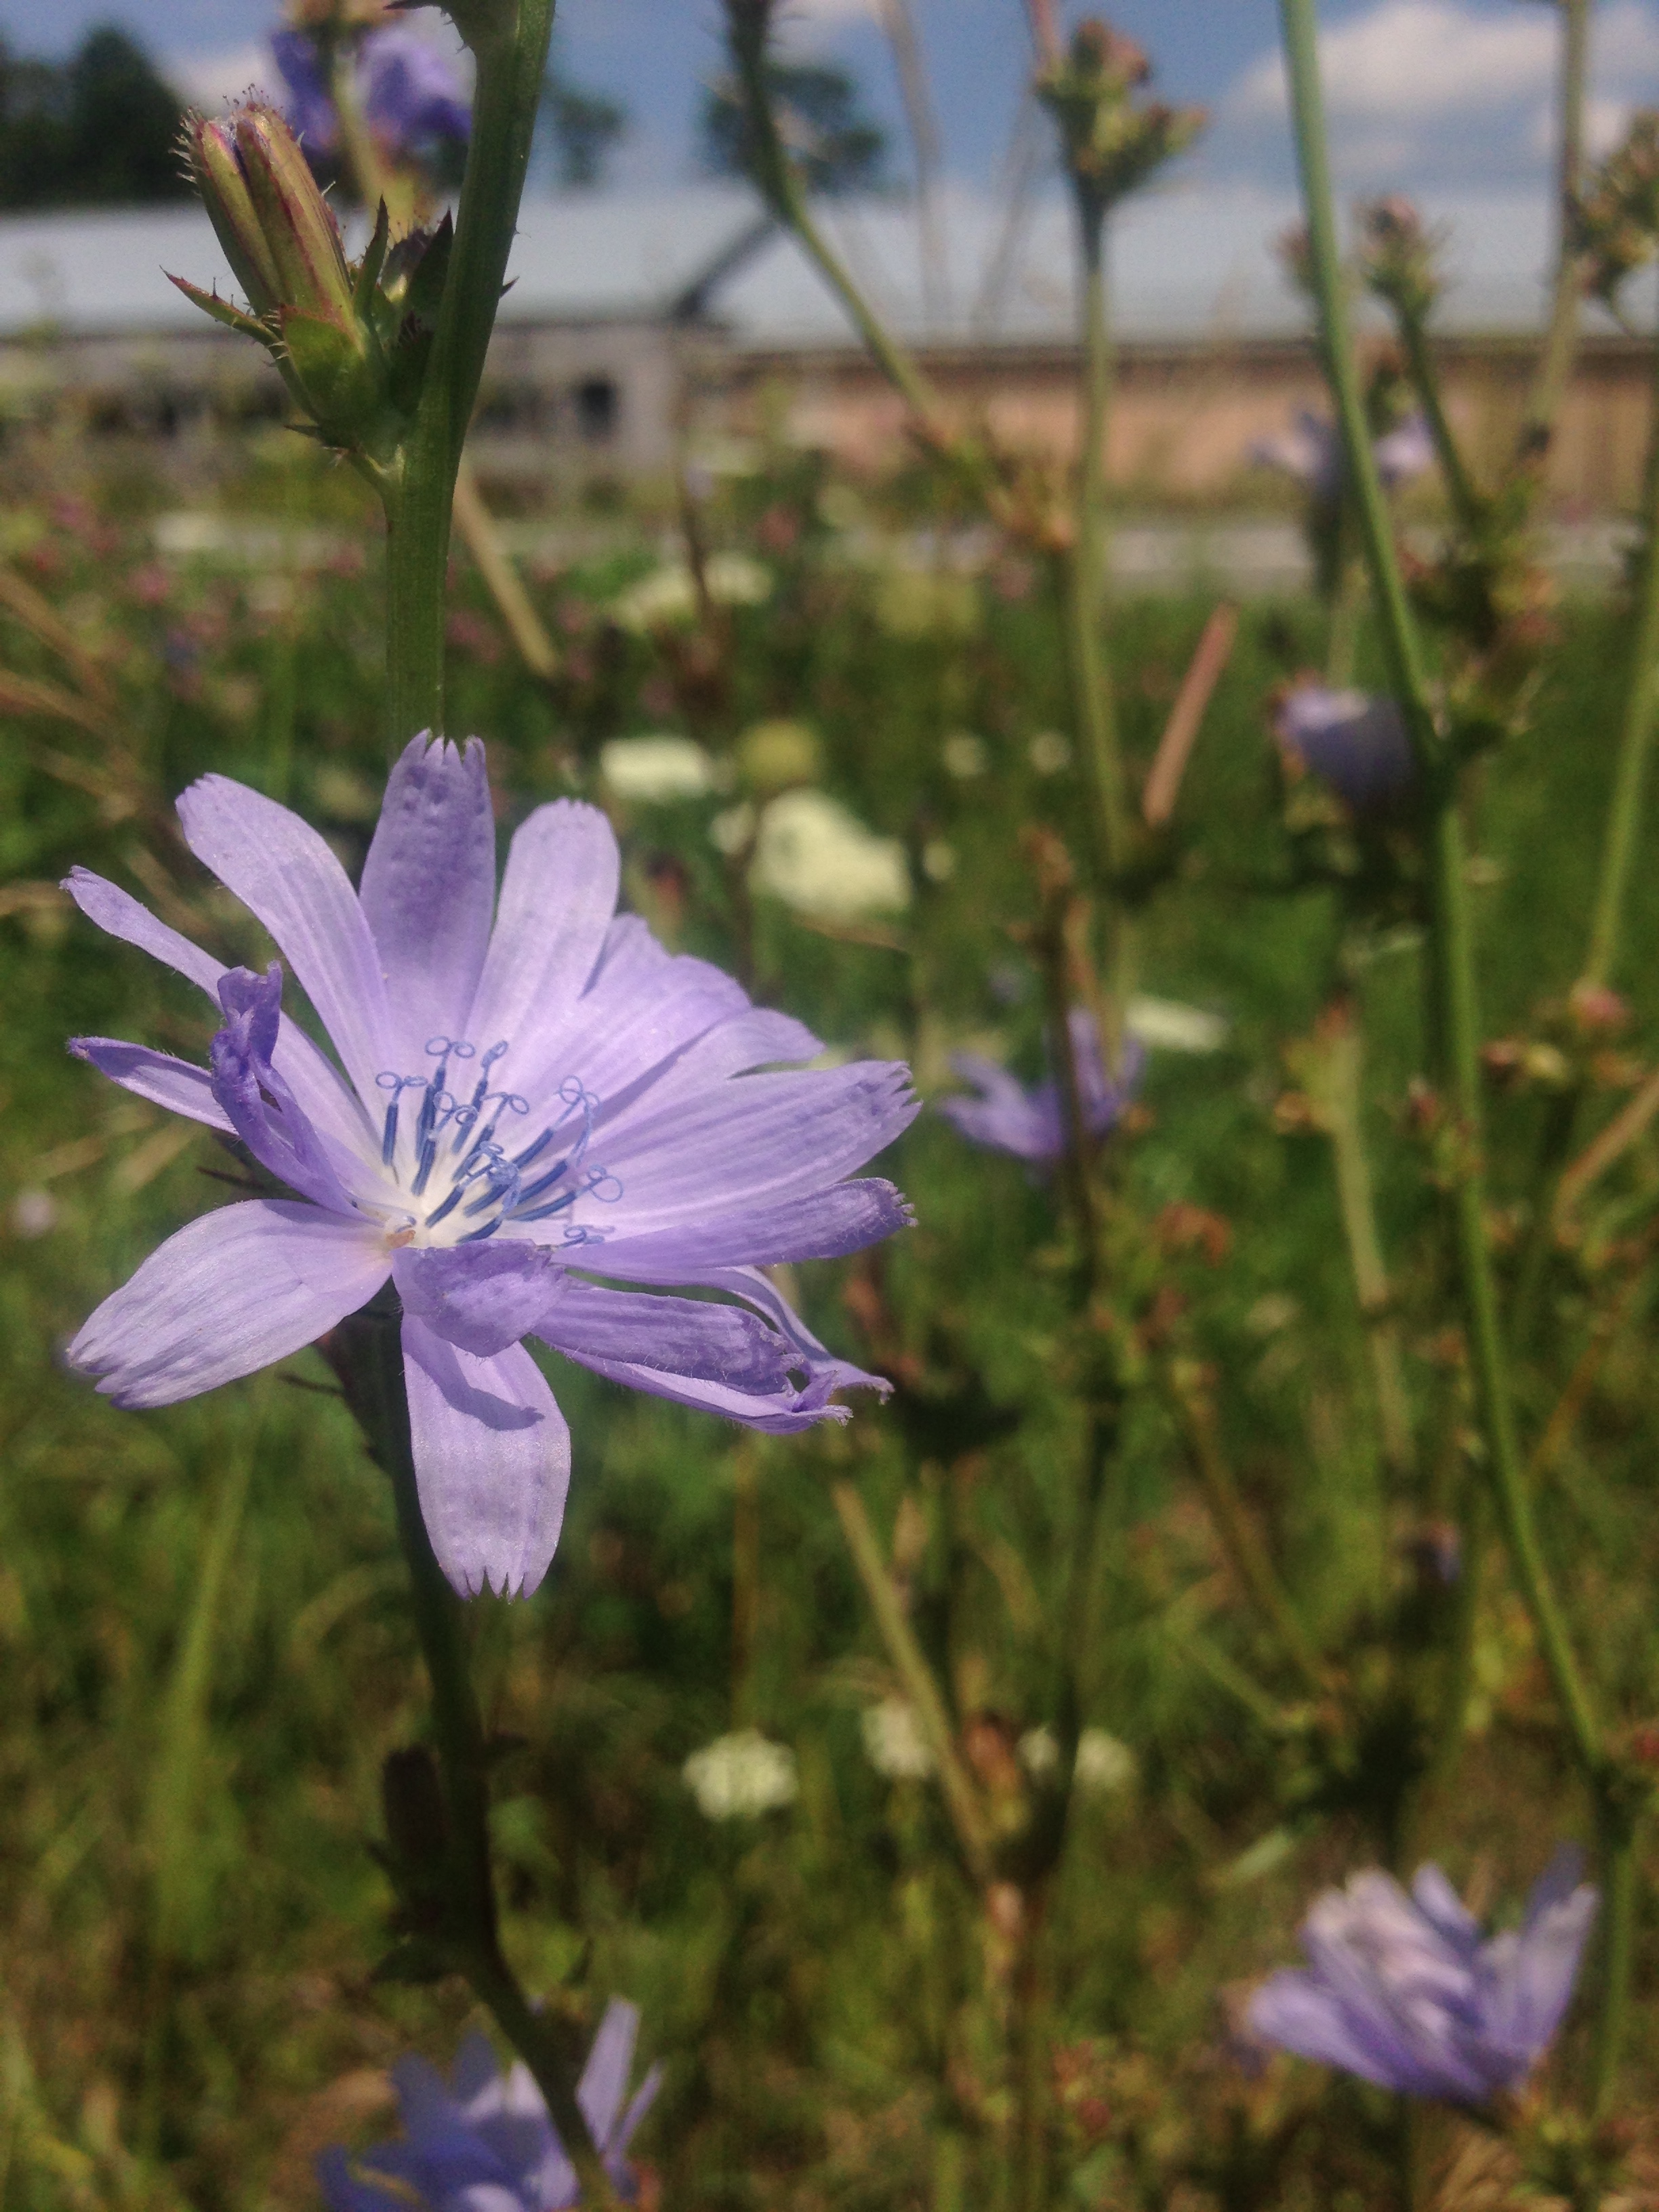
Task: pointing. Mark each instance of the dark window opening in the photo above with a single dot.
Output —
(599, 403)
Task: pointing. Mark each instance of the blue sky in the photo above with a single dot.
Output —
(1426, 95)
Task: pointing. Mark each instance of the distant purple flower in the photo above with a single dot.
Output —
(524, 1106)
(1403, 1992)
(1030, 1123)
(483, 2142)
(412, 93)
(1311, 451)
(1357, 743)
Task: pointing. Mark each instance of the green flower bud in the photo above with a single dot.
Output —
(1112, 141)
(1398, 256)
(351, 340)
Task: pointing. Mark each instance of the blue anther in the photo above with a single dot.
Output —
(477, 1236)
(448, 1206)
(524, 1157)
(545, 1181)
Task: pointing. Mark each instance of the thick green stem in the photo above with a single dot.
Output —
(1449, 934)
(1561, 339)
(1616, 1834)
(511, 60)
(1635, 743)
(372, 1369)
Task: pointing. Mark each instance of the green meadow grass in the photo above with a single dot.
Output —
(204, 1643)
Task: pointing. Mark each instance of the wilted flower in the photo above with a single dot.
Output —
(1357, 743)
(1030, 1123)
(522, 1104)
(815, 855)
(1405, 1992)
(893, 1742)
(484, 2139)
(656, 769)
(412, 95)
(737, 1776)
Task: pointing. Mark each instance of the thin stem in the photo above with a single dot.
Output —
(371, 1371)
(1616, 1835)
(1467, 503)
(511, 60)
(962, 1801)
(1240, 1541)
(1085, 562)
(1561, 338)
(501, 580)
(1635, 743)
(1457, 1018)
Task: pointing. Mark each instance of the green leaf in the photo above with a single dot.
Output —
(223, 312)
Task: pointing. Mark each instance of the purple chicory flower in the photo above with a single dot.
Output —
(1357, 743)
(525, 1107)
(412, 93)
(484, 2141)
(1311, 451)
(1405, 1992)
(1031, 1124)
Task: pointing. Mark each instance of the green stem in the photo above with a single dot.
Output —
(372, 1369)
(1561, 338)
(1467, 503)
(511, 60)
(1449, 934)
(1085, 566)
(1616, 1834)
(1635, 743)
(909, 1661)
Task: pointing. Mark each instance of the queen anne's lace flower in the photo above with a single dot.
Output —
(483, 2142)
(526, 1104)
(1405, 1991)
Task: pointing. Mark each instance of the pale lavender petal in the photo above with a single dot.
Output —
(480, 1296)
(230, 1292)
(678, 1336)
(429, 889)
(641, 2103)
(759, 1139)
(1532, 1971)
(823, 1225)
(424, 2102)
(1439, 1904)
(177, 1085)
(121, 915)
(604, 2077)
(343, 2191)
(755, 1037)
(558, 896)
(1005, 1117)
(475, 2071)
(328, 1104)
(749, 1283)
(492, 1462)
(285, 874)
(784, 1413)
(1295, 2011)
(261, 1109)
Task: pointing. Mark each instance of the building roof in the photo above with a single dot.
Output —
(1188, 262)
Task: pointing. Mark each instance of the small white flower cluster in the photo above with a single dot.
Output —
(818, 857)
(893, 1742)
(656, 769)
(1103, 1763)
(739, 1776)
(668, 594)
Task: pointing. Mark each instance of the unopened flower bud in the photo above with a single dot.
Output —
(1111, 141)
(350, 338)
(1398, 256)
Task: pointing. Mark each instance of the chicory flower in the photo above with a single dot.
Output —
(1405, 1992)
(1356, 743)
(534, 1094)
(484, 2140)
(412, 95)
(1030, 1123)
(1311, 451)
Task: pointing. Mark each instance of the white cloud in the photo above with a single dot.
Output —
(1417, 88)
(207, 80)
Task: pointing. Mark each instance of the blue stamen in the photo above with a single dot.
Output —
(448, 1206)
(477, 1236)
(546, 1181)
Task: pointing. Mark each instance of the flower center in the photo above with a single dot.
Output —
(453, 1160)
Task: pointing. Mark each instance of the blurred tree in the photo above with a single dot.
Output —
(98, 130)
(839, 147)
(584, 126)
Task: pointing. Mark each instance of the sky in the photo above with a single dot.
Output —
(1427, 95)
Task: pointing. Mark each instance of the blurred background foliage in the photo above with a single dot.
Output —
(203, 1629)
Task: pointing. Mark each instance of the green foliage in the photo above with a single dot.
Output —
(203, 1623)
(837, 146)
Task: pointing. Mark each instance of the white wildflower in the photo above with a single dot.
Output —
(819, 858)
(657, 769)
(893, 1742)
(1175, 1027)
(739, 1776)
